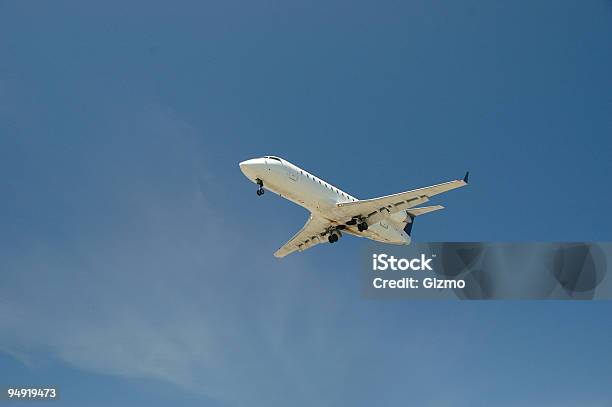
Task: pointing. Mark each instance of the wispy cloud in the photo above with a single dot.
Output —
(155, 283)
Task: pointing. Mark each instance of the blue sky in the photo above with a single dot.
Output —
(136, 260)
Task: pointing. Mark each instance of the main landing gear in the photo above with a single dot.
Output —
(334, 235)
(361, 226)
(360, 222)
(260, 190)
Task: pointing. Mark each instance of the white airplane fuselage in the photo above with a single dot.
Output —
(319, 197)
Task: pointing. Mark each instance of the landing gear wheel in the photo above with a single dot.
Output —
(333, 237)
(362, 226)
(260, 191)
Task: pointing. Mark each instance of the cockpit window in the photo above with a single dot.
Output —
(272, 157)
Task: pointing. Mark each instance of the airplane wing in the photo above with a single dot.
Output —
(307, 237)
(375, 209)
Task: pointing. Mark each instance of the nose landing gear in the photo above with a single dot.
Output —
(260, 190)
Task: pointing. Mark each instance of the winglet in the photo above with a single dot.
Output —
(465, 179)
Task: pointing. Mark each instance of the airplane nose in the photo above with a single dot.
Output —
(247, 167)
(243, 166)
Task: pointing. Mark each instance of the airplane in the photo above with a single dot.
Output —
(386, 219)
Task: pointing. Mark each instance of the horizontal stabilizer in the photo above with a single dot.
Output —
(423, 210)
(414, 212)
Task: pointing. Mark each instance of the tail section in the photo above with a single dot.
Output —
(412, 213)
(423, 210)
(409, 223)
